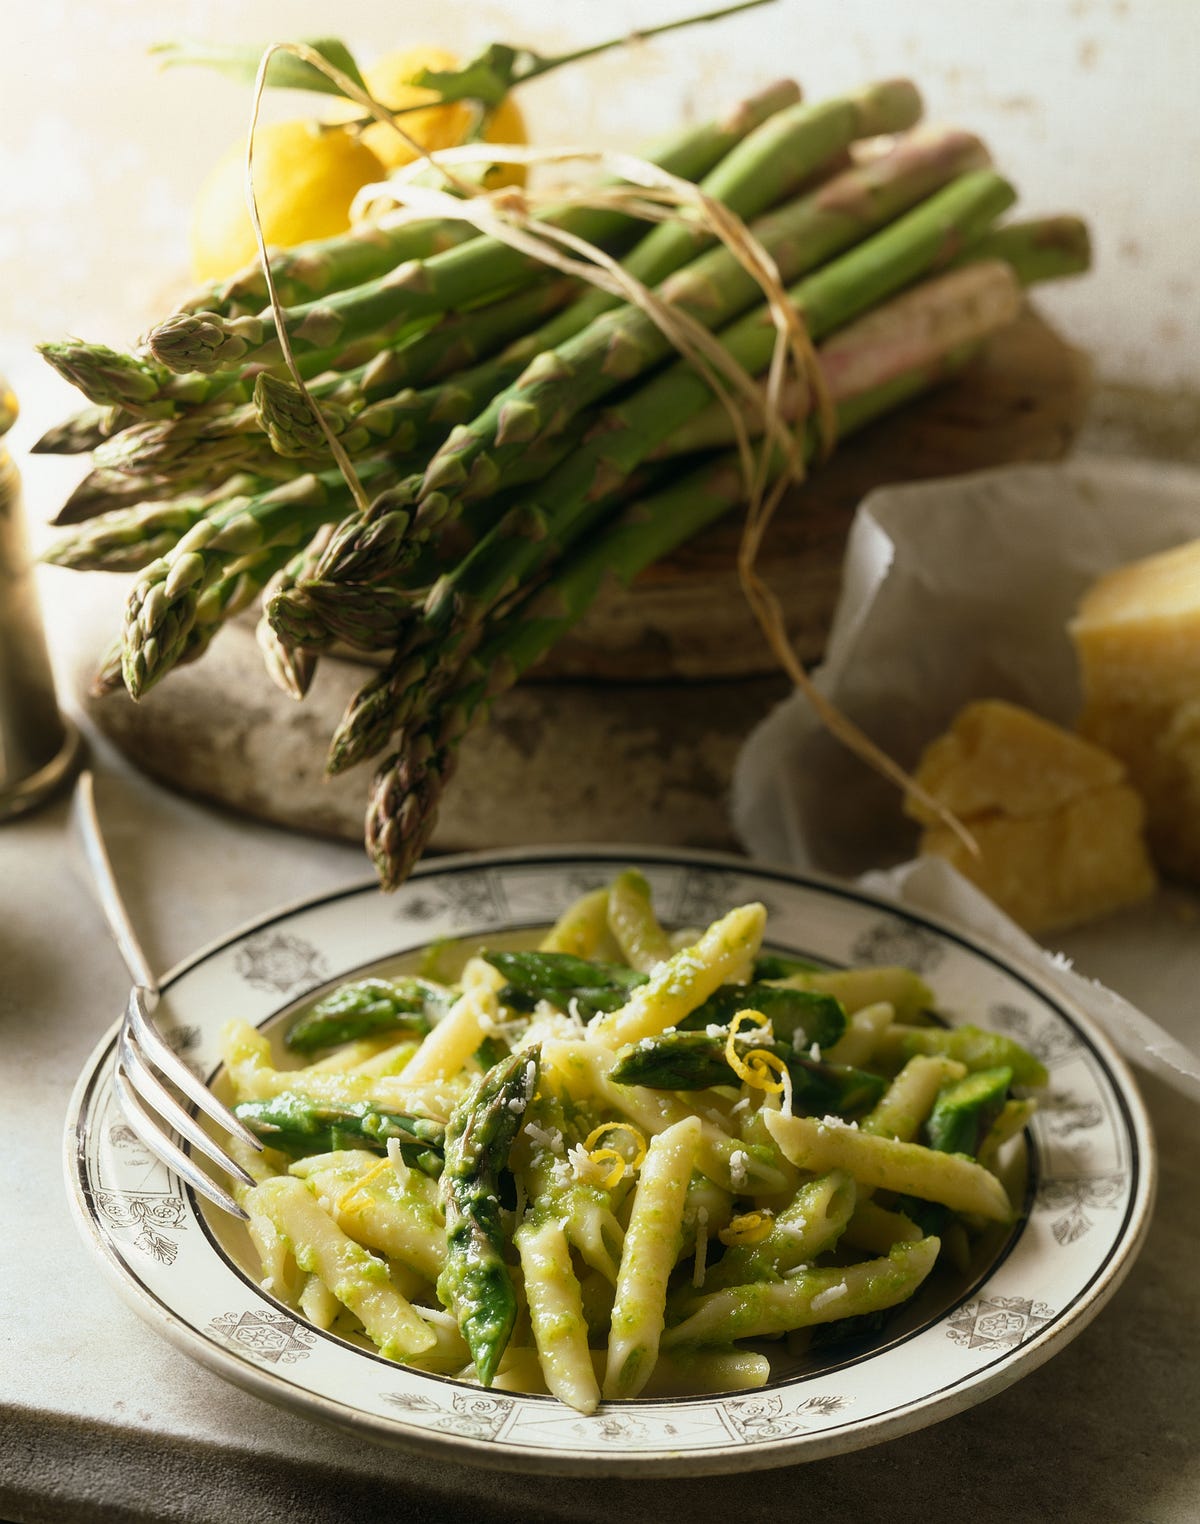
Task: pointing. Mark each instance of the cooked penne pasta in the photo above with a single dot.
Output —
(602, 1168)
(356, 1278)
(890, 1165)
(813, 1296)
(652, 1246)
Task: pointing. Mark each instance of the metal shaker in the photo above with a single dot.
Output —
(38, 748)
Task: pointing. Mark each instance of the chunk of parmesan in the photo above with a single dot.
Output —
(1137, 637)
(1058, 828)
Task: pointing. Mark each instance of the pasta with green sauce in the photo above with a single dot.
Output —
(626, 1162)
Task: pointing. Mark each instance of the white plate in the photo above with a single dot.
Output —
(1091, 1185)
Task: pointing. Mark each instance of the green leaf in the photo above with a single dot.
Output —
(285, 71)
(487, 78)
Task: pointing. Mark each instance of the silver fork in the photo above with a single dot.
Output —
(143, 1058)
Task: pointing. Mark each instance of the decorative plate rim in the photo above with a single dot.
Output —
(926, 1407)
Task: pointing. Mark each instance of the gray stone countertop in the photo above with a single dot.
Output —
(100, 1419)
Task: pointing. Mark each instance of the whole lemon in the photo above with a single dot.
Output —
(305, 177)
(389, 80)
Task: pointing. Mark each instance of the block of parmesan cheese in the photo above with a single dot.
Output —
(1058, 828)
(1137, 635)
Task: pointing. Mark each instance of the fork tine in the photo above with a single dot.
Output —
(168, 1062)
(162, 1147)
(148, 1086)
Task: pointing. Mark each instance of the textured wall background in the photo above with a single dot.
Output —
(1088, 105)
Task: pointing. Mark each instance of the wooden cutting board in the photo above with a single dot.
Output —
(630, 730)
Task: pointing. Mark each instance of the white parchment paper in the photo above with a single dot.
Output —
(953, 591)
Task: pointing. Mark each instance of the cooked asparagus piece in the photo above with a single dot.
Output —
(970, 1045)
(475, 1284)
(800, 1018)
(777, 966)
(964, 1111)
(364, 1007)
(683, 1060)
(297, 1125)
(566, 981)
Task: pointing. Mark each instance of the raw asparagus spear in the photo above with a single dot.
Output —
(313, 269)
(313, 616)
(103, 491)
(290, 667)
(714, 288)
(459, 340)
(405, 793)
(162, 604)
(82, 432)
(575, 496)
(206, 342)
(232, 591)
(297, 1125)
(190, 451)
(128, 539)
(840, 291)
(1043, 248)
(476, 458)
(475, 1284)
(107, 377)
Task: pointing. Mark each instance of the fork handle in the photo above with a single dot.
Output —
(108, 896)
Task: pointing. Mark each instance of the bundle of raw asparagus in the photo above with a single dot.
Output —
(520, 437)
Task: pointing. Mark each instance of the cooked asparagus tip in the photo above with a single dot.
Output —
(475, 1284)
